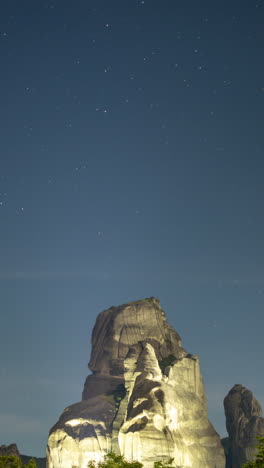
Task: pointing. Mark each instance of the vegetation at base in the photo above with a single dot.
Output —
(40, 461)
(11, 461)
(111, 460)
(167, 361)
(167, 464)
(259, 457)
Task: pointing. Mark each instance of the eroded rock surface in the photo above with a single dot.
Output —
(145, 398)
(244, 422)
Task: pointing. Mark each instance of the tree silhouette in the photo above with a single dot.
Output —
(259, 457)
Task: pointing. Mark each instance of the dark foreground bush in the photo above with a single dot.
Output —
(259, 457)
(11, 461)
(111, 460)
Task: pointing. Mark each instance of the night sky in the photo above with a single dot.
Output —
(131, 165)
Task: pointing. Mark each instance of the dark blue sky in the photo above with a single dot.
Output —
(131, 165)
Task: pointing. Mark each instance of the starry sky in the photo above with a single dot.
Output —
(131, 165)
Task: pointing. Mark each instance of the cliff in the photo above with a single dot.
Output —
(145, 398)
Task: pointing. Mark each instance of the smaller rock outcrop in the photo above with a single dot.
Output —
(7, 450)
(244, 422)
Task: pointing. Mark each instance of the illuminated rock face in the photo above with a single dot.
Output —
(145, 398)
(82, 433)
(167, 415)
(243, 423)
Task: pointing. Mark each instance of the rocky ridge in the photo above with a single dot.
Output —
(7, 450)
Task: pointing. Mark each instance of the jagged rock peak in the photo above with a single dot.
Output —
(7, 450)
(243, 423)
(119, 328)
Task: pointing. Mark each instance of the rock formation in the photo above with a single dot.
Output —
(40, 461)
(7, 450)
(145, 398)
(243, 424)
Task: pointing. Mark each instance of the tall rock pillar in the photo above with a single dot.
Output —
(243, 423)
(144, 399)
